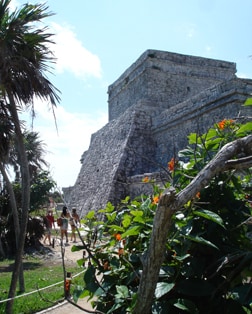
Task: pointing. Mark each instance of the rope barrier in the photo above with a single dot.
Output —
(41, 289)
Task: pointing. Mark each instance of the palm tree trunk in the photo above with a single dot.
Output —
(2, 253)
(15, 220)
(25, 201)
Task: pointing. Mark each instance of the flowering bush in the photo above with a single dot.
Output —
(207, 259)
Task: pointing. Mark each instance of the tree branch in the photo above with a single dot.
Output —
(240, 163)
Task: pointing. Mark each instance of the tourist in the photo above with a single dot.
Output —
(64, 223)
(74, 221)
(49, 223)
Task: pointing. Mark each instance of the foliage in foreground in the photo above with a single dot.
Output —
(208, 254)
(40, 189)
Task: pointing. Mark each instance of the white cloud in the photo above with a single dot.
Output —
(74, 129)
(70, 53)
(73, 138)
(72, 56)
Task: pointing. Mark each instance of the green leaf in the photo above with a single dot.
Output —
(89, 274)
(187, 152)
(76, 248)
(90, 214)
(116, 228)
(111, 216)
(244, 129)
(212, 133)
(162, 288)
(213, 144)
(131, 232)
(136, 213)
(207, 214)
(186, 305)
(115, 307)
(126, 221)
(80, 262)
(122, 292)
(79, 292)
(126, 200)
(181, 258)
(201, 241)
(139, 219)
(146, 204)
(109, 208)
(89, 279)
(248, 102)
(193, 138)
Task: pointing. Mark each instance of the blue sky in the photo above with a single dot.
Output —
(97, 40)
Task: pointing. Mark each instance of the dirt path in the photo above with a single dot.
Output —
(70, 258)
(67, 308)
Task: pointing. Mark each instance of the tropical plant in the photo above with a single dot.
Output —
(24, 58)
(35, 151)
(41, 186)
(7, 134)
(186, 247)
(40, 191)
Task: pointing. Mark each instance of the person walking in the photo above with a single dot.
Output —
(49, 223)
(74, 221)
(64, 217)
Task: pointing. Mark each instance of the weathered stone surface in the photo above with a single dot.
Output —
(153, 106)
(165, 79)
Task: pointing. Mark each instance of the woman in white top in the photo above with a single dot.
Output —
(64, 223)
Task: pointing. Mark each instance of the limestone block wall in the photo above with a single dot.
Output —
(165, 79)
(116, 151)
(153, 107)
(197, 114)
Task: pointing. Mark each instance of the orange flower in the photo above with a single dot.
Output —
(155, 200)
(171, 164)
(198, 195)
(120, 251)
(106, 265)
(146, 179)
(222, 124)
(118, 236)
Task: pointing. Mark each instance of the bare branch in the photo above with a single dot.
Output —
(240, 163)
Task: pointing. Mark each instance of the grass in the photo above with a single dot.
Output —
(37, 275)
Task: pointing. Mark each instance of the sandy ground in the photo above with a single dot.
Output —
(70, 258)
(67, 308)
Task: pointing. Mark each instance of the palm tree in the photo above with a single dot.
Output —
(35, 150)
(6, 135)
(9, 156)
(24, 57)
(6, 141)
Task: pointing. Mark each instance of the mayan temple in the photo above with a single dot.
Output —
(153, 106)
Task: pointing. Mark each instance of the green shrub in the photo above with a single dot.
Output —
(208, 254)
